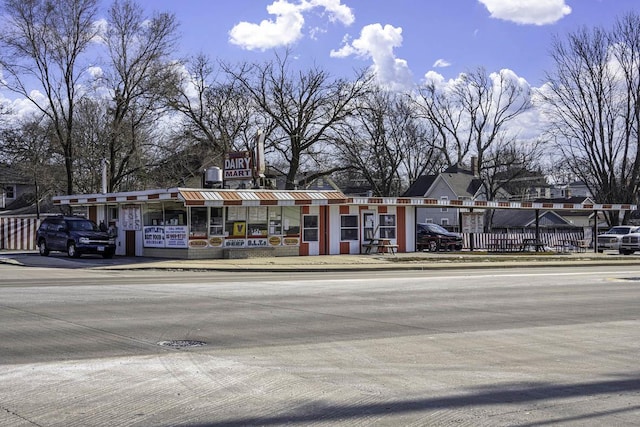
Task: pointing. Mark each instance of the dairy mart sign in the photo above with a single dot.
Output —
(238, 165)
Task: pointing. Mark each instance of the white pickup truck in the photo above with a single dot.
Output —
(630, 243)
(612, 239)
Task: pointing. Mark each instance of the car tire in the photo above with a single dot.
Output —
(72, 251)
(433, 246)
(42, 248)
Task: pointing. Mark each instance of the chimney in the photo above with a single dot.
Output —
(474, 166)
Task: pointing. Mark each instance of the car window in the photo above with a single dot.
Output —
(619, 230)
(81, 225)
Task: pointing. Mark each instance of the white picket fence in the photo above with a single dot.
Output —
(482, 241)
(18, 233)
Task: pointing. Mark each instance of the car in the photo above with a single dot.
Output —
(630, 243)
(613, 237)
(434, 238)
(74, 235)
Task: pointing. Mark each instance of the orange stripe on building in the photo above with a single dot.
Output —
(402, 228)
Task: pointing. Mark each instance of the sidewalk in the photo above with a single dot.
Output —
(403, 261)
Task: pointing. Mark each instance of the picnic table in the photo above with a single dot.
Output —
(532, 243)
(382, 246)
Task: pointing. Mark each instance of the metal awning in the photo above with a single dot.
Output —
(199, 197)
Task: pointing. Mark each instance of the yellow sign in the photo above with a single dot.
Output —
(239, 228)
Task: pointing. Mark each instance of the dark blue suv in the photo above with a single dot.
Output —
(75, 236)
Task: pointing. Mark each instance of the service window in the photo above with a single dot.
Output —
(236, 221)
(310, 223)
(348, 227)
(198, 226)
(175, 214)
(291, 221)
(387, 228)
(275, 221)
(153, 214)
(216, 224)
(257, 222)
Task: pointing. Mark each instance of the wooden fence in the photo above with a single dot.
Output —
(18, 233)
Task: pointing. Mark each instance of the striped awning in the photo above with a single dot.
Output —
(199, 197)
(253, 197)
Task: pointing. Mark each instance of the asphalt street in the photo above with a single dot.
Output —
(493, 346)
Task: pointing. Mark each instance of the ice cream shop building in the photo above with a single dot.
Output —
(194, 223)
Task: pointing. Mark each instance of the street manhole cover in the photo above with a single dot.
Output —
(181, 343)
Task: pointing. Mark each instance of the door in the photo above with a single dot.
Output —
(130, 243)
(369, 226)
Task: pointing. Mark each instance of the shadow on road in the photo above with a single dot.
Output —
(504, 394)
(60, 260)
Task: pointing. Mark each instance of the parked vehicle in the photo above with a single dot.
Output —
(630, 243)
(612, 238)
(75, 236)
(434, 238)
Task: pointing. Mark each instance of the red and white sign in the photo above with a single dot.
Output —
(238, 165)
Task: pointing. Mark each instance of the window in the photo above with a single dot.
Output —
(216, 222)
(349, 227)
(429, 220)
(444, 199)
(310, 223)
(387, 228)
(198, 228)
(175, 214)
(153, 214)
(444, 221)
(236, 221)
(257, 221)
(291, 220)
(275, 221)
(10, 191)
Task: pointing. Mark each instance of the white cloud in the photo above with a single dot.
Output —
(288, 24)
(377, 43)
(537, 12)
(440, 63)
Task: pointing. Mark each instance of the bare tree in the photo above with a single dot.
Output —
(593, 107)
(26, 146)
(139, 74)
(43, 42)
(384, 142)
(305, 107)
(219, 114)
(473, 114)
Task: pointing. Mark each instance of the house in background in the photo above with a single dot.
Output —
(525, 221)
(455, 183)
(569, 190)
(16, 190)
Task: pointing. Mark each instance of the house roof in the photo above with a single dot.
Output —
(526, 218)
(463, 184)
(420, 186)
(10, 175)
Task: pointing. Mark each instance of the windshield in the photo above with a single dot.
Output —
(619, 230)
(81, 225)
(434, 227)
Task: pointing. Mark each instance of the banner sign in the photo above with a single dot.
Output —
(153, 237)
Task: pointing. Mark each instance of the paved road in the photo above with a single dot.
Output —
(543, 346)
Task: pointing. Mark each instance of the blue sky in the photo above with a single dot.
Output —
(403, 39)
